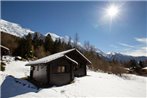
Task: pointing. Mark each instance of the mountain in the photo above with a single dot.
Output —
(141, 58)
(62, 38)
(124, 58)
(107, 56)
(19, 31)
(55, 36)
(13, 28)
(101, 53)
(119, 57)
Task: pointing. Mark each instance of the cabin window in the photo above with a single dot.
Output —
(61, 69)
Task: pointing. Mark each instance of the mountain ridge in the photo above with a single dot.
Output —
(13, 28)
(17, 30)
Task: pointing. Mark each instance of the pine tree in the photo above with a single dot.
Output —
(141, 64)
(28, 46)
(76, 40)
(48, 44)
(22, 47)
(36, 40)
(57, 46)
(133, 64)
(69, 45)
(39, 52)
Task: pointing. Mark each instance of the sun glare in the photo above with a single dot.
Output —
(112, 11)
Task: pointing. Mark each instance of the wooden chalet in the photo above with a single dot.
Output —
(4, 50)
(144, 71)
(58, 69)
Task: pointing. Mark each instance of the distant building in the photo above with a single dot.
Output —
(59, 68)
(144, 71)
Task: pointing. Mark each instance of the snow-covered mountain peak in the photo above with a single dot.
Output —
(54, 36)
(13, 28)
(101, 53)
(116, 54)
(112, 53)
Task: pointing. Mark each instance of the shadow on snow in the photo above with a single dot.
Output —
(12, 87)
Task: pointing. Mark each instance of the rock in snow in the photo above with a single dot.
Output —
(95, 84)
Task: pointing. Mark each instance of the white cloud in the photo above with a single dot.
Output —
(137, 50)
(142, 40)
(126, 45)
(145, 48)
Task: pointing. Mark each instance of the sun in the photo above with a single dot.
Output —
(112, 14)
(112, 11)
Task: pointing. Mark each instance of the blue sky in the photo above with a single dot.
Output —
(126, 33)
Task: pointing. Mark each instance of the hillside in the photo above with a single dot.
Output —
(95, 84)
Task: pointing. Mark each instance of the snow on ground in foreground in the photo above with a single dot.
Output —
(95, 84)
(17, 69)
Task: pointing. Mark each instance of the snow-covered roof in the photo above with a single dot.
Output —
(4, 47)
(145, 68)
(126, 68)
(51, 58)
(56, 56)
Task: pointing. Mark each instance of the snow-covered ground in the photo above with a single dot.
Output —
(95, 84)
(17, 69)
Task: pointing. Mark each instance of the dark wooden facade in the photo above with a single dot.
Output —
(4, 50)
(79, 70)
(61, 70)
(56, 72)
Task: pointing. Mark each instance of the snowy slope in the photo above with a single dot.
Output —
(13, 28)
(55, 37)
(95, 84)
(101, 53)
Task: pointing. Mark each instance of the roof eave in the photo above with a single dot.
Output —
(34, 64)
(83, 56)
(71, 59)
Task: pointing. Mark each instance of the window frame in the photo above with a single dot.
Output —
(61, 69)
